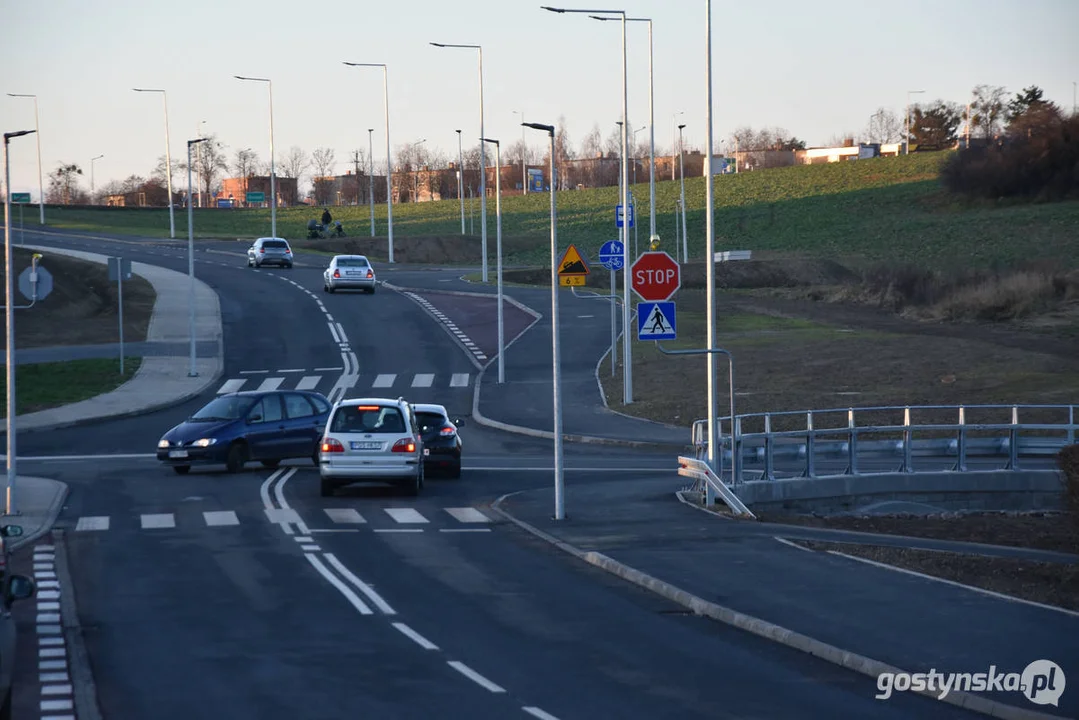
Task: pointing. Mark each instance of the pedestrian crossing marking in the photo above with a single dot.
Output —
(270, 384)
(468, 515)
(158, 520)
(384, 381)
(221, 517)
(423, 380)
(278, 515)
(405, 515)
(459, 380)
(231, 386)
(308, 382)
(92, 523)
(344, 515)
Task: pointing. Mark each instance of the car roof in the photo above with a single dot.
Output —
(428, 407)
(272, 238)
(391, 402)
(254, 393)
(351, 257)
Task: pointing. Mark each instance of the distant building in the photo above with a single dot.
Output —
(236, 189)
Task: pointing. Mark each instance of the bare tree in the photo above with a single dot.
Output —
(245, 164)
(592, 144)
(323, 160)
(563, 153)
(64, 184)
(884, 127)
(988, 110)
(294, 165)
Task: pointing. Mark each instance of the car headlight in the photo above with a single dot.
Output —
(204, 442)
(162, 443)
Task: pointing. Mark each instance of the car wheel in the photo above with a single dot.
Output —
(327, 488)
(270, 463)
(236, 458)
(315, 457)
(333, 289)
(181, 469)
(370, 291)
(455, 471)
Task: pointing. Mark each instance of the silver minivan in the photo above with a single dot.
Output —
(269, 251)
(372, 440)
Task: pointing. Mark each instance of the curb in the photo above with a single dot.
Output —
(51, 514)
(84, 691)
(769, 631)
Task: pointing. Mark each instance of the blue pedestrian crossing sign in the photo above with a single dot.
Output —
(655, 321)
(612, 256)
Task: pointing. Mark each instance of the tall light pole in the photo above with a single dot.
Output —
(556, 360)
(682, 173)
(483, 160)
(198, 165)
(627, 361)
(498, 253)
(906, 137)
(524, 171)
(9, 317)
(371, 175)
(168, 157)
(273, 172)
(674, 121)
(389, 158)
(92, 161)
(192, 371)
(37, 133)
(461, 178)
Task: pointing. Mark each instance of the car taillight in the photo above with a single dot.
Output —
(337, 273)
(405, 445)
(262, 250)
(329, 445)
(447, 431)
(370, 274)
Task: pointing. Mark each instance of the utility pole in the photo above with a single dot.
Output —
(356, 164)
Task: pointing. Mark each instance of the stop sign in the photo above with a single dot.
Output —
(656, 276)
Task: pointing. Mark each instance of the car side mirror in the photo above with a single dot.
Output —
(19, 587)
(11, 530)
(459, 422)
(255, 418)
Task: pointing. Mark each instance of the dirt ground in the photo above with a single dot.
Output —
(82, 307)
(1049, 583)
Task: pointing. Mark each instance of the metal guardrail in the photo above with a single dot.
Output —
(699, 471)
(1009, 432)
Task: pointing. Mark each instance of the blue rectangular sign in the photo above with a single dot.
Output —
(655, 321)
(618, 220)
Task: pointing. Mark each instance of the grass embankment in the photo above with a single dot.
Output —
(40, 386)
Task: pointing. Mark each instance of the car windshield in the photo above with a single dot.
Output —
(280, 244)
(352, 262)
(430, 420)
(367, 419)
(224, 408)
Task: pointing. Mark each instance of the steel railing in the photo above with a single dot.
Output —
(903, 433)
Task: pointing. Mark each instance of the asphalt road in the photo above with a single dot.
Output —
(198, 597)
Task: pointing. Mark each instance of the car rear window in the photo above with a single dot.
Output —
(430, 420)
(352, 262)
(367, 419)
(275, 244)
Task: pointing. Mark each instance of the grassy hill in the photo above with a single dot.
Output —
(883, 209)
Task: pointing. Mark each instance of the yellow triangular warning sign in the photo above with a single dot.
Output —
(572, 263)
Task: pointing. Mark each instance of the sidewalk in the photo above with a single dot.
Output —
(854, 614)
(162, 379)
(38, 502)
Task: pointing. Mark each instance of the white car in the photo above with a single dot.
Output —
(372, 439)
(349, 272)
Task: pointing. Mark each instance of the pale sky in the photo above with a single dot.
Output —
(816, 68)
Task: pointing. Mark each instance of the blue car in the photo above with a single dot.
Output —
(241, 427)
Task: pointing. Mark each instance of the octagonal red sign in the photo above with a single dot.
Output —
(655, 276)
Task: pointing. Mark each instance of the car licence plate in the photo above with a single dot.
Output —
(426, 451)
(177, 453)
(365, 445)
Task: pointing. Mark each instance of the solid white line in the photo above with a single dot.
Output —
(92, 523)
(536, 712)
(264, 490)
(474, 676)
(333, 331)
(398, 530)
(254, 372)
(284, 518)
(341, 587)
(384, 381)
(983, 591)
(459, 380)
(363, 587)
(308, 382)
(341, 331)
(415, 636)
(231, 386)
(279, 491)
(155, 521)
(270, 384)
(291, 371)
(423, 380)
(792, 544)
(328, 369)
(405, 515)
(344, 515)
(221, 517)
(468, 515)
(465, 530)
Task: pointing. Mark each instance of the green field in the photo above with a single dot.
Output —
(883, 209)
(40, 386)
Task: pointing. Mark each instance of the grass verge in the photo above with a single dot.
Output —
(40, 386)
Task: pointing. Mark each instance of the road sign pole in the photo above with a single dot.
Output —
(614, 331)
(120, 300)
(22, 235)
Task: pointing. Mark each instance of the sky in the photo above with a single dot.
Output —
(818, 69)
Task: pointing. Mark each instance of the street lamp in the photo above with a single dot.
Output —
(498, 253)
(906, 137)
(198, 164)
(191, 372)
(556, 360)
(37, 132)
(9, 318)
(389, 159)
(682, 173)
(273, 173)
(92, 161)
(524, 171)
(483, 160)
(674, 120)
(461, 178)
(627, 363)
(371, 175)
(168, 157)
(651, 138)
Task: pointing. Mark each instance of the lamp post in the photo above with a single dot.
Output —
(168, 158)
(556, 360)
(524, 171)
(92, 161)
(461, 178)
(9, 318)
(371, 175)
(483, 160)
(37, 133)
(192, 371)
(674, 121)
(627, 361)
(389, 158)
(906, 136)
(198, 165)
(273, 173)
(498, 253)
(682, 196)
(415, 173)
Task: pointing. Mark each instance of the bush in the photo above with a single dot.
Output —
(1068, 460)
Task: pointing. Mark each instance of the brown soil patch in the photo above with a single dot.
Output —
(82, 307)
(1049, 583)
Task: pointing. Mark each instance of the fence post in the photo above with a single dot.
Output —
(736, 451)
(769, 468)
(852, 443)
(961, 442)
(1071, 424)
(810, 451)
(908, 442)
(1013, 440)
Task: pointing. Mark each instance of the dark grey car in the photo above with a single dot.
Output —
(269, 251)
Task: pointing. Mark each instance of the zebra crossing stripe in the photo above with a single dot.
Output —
(221, 517)
(308, 382)
(459, 380)
(92, 523)
(468, 515)
(384, 381)
(270, 384)
(423, 380)
(344, 515)
(405, 515)
(231, 386)
(158, 520)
